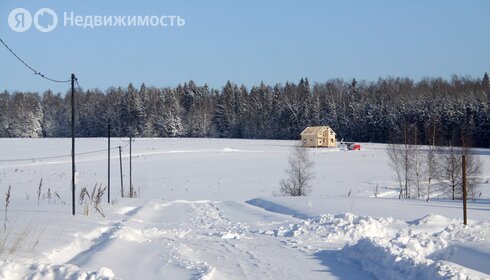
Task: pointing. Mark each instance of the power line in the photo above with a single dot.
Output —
(60, 156)
(30, 67)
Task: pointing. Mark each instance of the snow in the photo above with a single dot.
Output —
(308, 207)
(418, 253)
(209, 209)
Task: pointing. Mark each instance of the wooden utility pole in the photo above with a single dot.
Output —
(120, 172)
(131, 191)
(463, 167)
(73, 144)
(465, 216)
(109, 161)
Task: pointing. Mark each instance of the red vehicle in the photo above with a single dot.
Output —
(354, 147)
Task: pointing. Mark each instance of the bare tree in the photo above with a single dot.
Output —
(300, 173)
(473, 172)
(432, 161)
(432, 168)
(401, 159)
(451, 170)
(395, 157)
(417, 164)
(417, 169)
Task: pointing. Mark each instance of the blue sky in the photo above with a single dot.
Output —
(250, 41)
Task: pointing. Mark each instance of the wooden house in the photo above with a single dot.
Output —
(318, 136)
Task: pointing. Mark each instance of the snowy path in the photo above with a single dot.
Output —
(202, 240)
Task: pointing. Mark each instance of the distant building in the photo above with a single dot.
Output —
(318, 136)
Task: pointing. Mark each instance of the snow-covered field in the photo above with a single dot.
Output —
(209, 209)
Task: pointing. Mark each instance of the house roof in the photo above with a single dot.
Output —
(314, 130)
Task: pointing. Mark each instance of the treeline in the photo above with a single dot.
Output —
(381, 111)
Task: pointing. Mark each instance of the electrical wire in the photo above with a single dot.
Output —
(30, 67)
(61, 156)
(55, 81)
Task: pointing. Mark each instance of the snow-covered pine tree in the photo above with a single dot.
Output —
(486, 83)
(4, 111)
(132, 113)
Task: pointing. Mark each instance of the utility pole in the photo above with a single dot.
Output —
(130, 167)
(120, 172)
(465, 215)
(109, 161)
(73, 144)
(463, 167)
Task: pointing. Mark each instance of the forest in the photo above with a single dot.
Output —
(432, 111)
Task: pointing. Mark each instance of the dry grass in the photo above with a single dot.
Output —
(11, 241)
(92, 200)
(39, 191)
(24, 241)
(7, 202)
